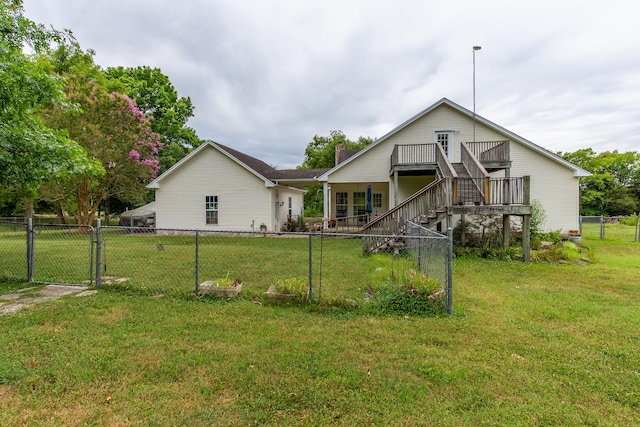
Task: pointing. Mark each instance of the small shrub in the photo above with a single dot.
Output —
(631, 220)
(288, 290)
(415, 294)
(292, 225)
(551, 236)
(226, 282)
(562, 252)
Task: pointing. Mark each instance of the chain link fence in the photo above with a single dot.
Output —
(620, 228)
(13, 249)
(330, 266)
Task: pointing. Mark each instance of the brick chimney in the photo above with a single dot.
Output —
(339, 148)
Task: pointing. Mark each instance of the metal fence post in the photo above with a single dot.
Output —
(310, 293)
(92, 230)
(637, 228)
(30, 249)
(98, 252)
(580, 224)
(601, 227)
(449, 270)
(197, 260)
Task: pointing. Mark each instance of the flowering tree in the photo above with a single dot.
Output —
(30, 151)
(111, 128)
(156, 96)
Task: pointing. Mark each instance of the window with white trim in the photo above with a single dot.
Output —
(359, 203)
(376, 202)
(342, 204)
(211, 209)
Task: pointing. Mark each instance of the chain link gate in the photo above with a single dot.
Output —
(61, 254)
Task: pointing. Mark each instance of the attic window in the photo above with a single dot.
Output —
(211, 209)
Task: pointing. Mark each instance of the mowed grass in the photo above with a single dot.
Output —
(528, 344)
(614, 232)
(158, 264)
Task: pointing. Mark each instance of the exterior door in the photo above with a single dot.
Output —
(445, 139)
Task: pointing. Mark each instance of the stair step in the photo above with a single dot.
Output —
(461, 171)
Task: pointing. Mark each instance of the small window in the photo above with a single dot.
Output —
(211, 209)
(290, 207)
(377, 200)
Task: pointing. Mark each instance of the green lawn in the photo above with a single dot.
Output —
(528, 344)
(618, 232)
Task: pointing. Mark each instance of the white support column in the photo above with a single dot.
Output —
(395, 188)
(325, 204)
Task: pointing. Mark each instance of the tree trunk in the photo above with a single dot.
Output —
(106, 211)
(28, 208)
(60, 213)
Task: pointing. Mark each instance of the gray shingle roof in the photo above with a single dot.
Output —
(269, 172)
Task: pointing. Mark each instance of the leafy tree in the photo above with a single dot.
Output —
(321, 153)
(157, 98)
(111, 128)
(30, 151)
(612, 189)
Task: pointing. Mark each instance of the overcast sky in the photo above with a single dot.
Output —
(265, 76)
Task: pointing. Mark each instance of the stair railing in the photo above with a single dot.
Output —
(430, 201)
(478, 173)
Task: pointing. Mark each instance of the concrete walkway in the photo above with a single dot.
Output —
(14, 302)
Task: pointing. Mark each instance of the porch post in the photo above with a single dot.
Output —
(506, 231)
(395, 188)
(526, 238)
(325, 204)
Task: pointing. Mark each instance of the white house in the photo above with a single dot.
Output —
(217, 188)
(404, 161)
(429, 167)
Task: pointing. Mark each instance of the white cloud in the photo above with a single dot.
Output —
(266, 76)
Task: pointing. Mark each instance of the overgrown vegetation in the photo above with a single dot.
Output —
(483, 238)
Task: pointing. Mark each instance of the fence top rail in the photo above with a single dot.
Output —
(272, 233)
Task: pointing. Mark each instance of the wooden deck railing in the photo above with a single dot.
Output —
(476, 171)
(490, 151)
(428, 202)
(413, 154)
(348, 224)
(509, 191)
(446, 168)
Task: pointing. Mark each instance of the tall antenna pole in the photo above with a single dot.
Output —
(474, 91)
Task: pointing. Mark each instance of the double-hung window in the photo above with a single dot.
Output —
(211, 209)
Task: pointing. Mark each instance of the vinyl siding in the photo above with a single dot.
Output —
(553, 184)
(280, 213)
(242, 197)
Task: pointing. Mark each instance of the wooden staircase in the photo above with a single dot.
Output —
(464, 187)
(425, 207)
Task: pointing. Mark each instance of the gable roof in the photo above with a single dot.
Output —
(578, 171)
(260, 169)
